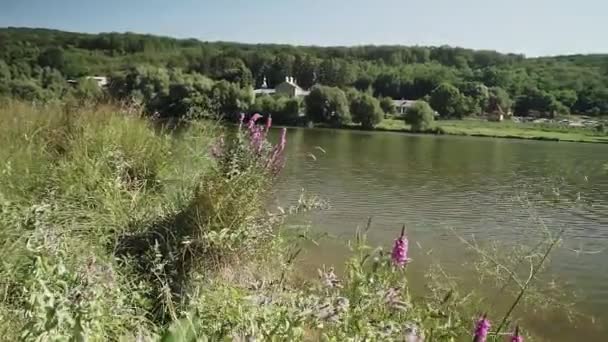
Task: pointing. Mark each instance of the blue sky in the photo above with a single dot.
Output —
(533, 27)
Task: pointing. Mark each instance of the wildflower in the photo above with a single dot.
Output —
(481, 329)
(276, 160)
(255, 134)
(252, 121)
(399, 254)
(516, 336)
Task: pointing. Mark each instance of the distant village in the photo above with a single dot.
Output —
(290, 88)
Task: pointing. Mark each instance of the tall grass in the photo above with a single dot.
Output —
(72, 183)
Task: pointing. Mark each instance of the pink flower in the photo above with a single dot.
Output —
(516, 336)
(400, 249)
(276, 161)
(253, 119)
(482, 328)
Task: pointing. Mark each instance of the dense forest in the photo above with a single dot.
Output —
(174, 77)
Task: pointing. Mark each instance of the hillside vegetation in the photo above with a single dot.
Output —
(175, 77)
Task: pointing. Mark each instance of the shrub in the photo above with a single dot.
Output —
(448, 101)
(366, 111)
(388, 106)
(420, 116)
(327, 105)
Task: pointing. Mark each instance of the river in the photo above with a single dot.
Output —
(442, 186)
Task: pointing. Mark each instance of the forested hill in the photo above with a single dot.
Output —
(577, 83)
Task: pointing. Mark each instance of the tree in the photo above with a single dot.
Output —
(230, 100)
(365, 109)
(52, 80)
(281, 67)
(147, 84)
(336, 72)
(231, 69)
(284, 110)
(288, 111)
(499, 101)
(305, 70)
(420, 116)
(536, 100)
(567, 97)
(265, 105)
(388, 84)
(53, 58)
(448, 101)
(5, 71)
(476, 95)
(328, 105)
(388, 106)
(189, 94)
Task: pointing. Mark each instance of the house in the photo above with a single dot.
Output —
(288, 88)
(101, 81)
(402, 106)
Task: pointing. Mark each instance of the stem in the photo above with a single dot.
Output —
(532, 276)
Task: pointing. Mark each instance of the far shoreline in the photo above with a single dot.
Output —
(466, 130)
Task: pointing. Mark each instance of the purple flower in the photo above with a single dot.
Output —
(481, 329)
(516, 337)
(400, 249)
(252, 121)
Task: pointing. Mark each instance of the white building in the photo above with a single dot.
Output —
(102, 81)
(288, 88)
(402, 106)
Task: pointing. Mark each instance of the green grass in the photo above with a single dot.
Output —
(505, 129)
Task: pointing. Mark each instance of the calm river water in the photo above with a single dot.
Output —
(489, 188)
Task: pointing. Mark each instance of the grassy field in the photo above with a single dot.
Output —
(506, 129)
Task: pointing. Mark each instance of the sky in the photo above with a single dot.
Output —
(531, 27)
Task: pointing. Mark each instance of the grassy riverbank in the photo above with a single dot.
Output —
(506, 129)
(115, 229)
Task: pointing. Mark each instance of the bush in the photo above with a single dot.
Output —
(420, 116)
(327, 105)
(366, 110)
(284, 110)
(388, 106)
(448, 101)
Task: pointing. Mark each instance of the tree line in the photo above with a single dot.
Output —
(178, 76)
